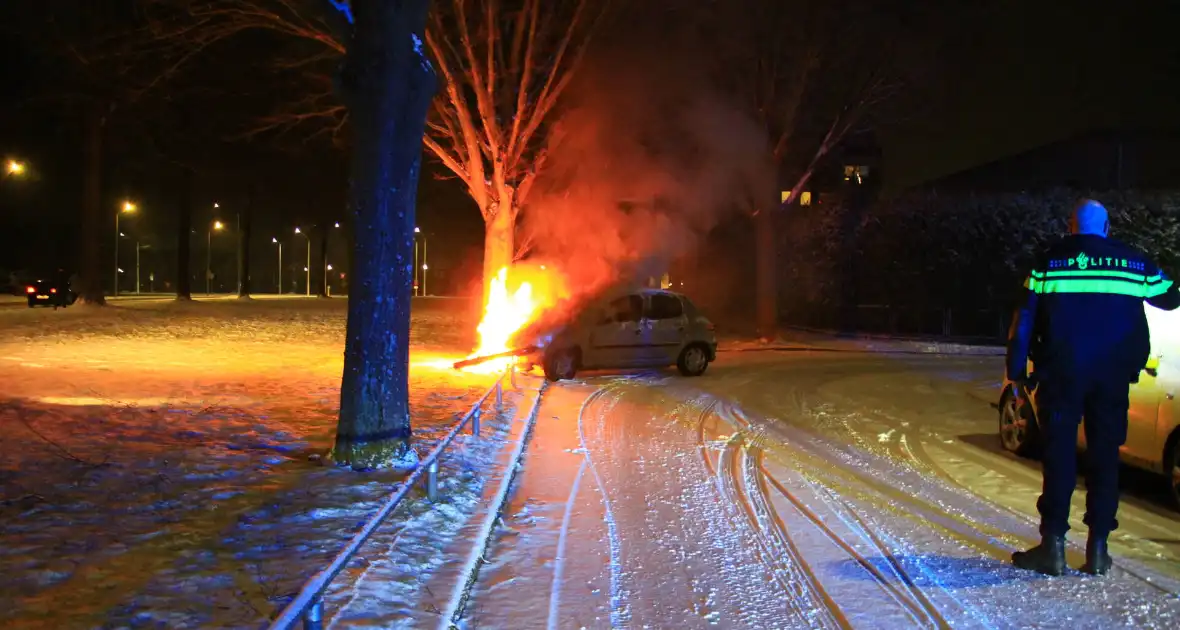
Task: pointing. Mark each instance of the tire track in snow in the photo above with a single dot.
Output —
(750, 491)
(795, 576)
(918, 456)
(618, 612)
(920, 609)
(559, 560)
(742, 478)
(805, 591)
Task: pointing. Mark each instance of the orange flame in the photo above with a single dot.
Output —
(516, 298)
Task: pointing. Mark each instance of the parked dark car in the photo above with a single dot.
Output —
(50, 293)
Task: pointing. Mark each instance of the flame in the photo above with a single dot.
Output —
(517, 296)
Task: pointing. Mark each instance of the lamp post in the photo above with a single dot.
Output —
(216, 226)
(126, 208)
(276, 241)
(327, 267)
(425, 267)
(308, 267)
(14, 168)
(417, 260)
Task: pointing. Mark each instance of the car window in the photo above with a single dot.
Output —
(625, 309)
(664, 306)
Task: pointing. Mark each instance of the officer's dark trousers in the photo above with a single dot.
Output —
(1102, 399)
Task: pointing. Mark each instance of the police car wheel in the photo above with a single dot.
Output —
(1019, 433)
(1172, 469)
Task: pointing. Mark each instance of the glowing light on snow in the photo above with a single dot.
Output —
(516, 298)
(83, 401)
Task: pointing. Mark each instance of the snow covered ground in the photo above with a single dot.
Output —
(155, 473)
(155, 465)
(800, 489)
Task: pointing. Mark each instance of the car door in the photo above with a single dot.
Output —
(1142, 414)
(616, 337)
(666, 321)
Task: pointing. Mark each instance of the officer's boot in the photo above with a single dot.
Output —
(1047, 557)
(1097, 557)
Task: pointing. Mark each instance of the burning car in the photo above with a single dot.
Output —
(1153, 419)
(650, 328)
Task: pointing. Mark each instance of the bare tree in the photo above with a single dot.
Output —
(387, 84)
(809, 72)
(504, 65)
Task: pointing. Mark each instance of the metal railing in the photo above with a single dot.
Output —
(308, 604)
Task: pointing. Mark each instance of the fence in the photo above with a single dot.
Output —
(933, 322)
(308, 604)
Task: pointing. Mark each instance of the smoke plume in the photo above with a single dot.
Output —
(644, 161)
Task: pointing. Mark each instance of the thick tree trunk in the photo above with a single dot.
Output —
(244, 219)
(93, 226)
(323, 288)
(184, 236)
(388, 85)
(498, 244)
(766, 273)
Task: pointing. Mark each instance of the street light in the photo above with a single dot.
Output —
(216, 226)
(308, 267)
(15, 168)
(420, 288)
(277, 242)
(126, 208)
(424, 268)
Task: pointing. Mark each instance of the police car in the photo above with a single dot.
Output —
(1153, 428)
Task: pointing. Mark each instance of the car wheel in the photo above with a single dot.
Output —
(1172, 467)
(693, 361)
(561, 365)
(1019, 432)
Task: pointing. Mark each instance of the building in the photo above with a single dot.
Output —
(852, 169)
(1097, 161)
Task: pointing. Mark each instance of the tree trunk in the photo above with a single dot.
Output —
(324, 234)
(498, 244)
(89, 274)
(184, 236)
(244, 218)
(766, 273)
(387, 85)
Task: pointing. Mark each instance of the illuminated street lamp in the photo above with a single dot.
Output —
(280, 244)
(14, 168)
(308, 267)
(127, 208)
(425, 267)
(421, 289)
(215, 227)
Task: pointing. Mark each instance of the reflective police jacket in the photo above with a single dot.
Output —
(1083, 310)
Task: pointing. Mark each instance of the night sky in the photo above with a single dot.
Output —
(1023, 73)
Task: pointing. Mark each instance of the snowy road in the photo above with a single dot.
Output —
(798, 490)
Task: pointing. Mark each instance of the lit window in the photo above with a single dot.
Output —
(805, 198)
(785, 195)
(857, 172)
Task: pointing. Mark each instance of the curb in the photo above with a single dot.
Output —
(983, 342)
(475, 559)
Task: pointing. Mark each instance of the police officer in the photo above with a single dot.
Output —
(1083, 318)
